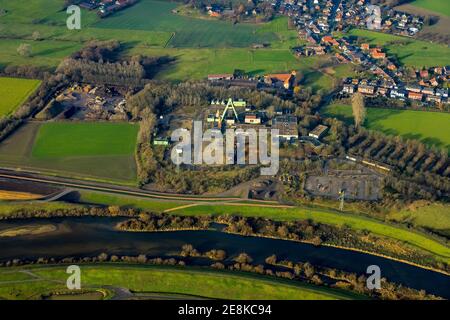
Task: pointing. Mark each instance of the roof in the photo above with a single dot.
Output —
(319, 130)
(284, 77)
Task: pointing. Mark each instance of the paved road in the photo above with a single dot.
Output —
(102, 187)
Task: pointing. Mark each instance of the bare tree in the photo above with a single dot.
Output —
(359, 109)
(24, 50)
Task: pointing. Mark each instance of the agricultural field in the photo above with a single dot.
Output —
(200, 46)
(14, 92)
(151, 15)
(164, 280)
(100, 151)
(438, 6)
(429, 127)
(415, 53)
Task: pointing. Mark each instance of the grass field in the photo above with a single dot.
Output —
(439, 6)
(153, 15)
(198, 63)
(127, 201)
(429, 127)
(434, 216)
(155, 279)
(101, 151)
(200, 46)
(8, 207)
(14, 92)
(410, 52)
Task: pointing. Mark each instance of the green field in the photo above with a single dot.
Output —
(14, 92)
(434, 216)
(8, 207)
(101, 151)
(106, 199)
(153, 15)
(410, 52)
(429, 127)
(438, 6)
(200, 46)
(198, 63)
(169, 280)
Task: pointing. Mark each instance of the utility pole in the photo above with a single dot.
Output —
(341, 199)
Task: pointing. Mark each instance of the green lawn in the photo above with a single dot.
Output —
(186, 281)
(93, 150)
(438, 6)
(410, 52)
(429, 127)
(14, 92)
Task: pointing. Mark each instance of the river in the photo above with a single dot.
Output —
(90, 236)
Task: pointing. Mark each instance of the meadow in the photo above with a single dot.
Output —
(421, 213)
(410, 52)
(158, 279)
(438, 6)
(151, 15)
(100, 151)
(429, 127)
(14, 92)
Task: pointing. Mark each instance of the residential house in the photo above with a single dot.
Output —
(349, 88)
(364, 89)
(415, 96)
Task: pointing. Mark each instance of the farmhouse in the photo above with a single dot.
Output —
(281, 79)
